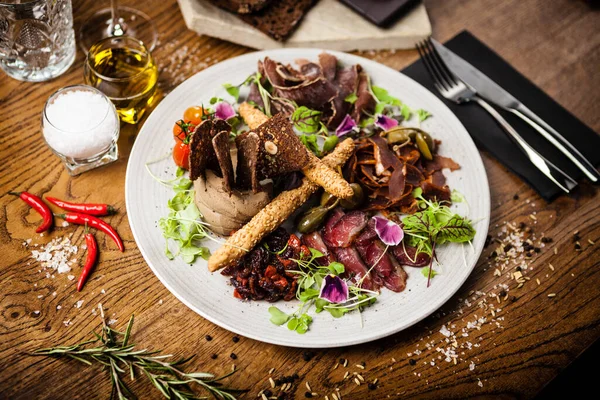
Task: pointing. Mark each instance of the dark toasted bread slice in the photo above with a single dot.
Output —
(220, 143)
(241, 6)
(280, 18)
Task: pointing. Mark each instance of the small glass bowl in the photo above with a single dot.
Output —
(91, 146)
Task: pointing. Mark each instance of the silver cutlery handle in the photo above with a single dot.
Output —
(553, 173)
(557, 140)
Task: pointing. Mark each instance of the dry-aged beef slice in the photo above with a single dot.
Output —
(328, 64)
(220, 144)
(280, 18)
(241, 6)
(346, 82)
(315, 93)
(365, 102)
(344, 231)
(354, 267)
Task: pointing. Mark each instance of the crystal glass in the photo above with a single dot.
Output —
(37, 41)
(123, 69)
(81, 146)
(117, 21)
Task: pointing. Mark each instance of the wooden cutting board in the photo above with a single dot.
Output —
(329, 25)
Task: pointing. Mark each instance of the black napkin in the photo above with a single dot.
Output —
(488, 135)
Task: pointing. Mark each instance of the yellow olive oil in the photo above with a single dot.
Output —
(127, 76)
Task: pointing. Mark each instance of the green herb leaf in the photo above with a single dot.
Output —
(422, 114)
(457, 197)
(406, 112)
(336, 268)
(383, 96)
(234, 91)
(180, 171)
(311, 143)
(278, 317)
(337, 312)
(425, 272)
(308, 294)
(306, 120)
(351, 98)
(457, 230)
(315, 253)
(330, 143)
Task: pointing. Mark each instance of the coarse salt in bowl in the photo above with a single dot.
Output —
(80, 124)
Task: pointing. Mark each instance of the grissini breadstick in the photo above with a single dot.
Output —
(274, 214)
(315, 170)
(252, 115)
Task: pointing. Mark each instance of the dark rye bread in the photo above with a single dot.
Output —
(280, 18)
(241, 6)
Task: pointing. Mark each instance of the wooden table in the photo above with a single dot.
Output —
(555, 44)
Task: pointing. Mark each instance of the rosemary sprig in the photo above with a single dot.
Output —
(120, 357)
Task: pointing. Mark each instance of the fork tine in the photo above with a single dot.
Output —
(438, 60)
(437, 79)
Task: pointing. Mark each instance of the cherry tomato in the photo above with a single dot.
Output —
(182, 129)
(194, 115)
(181, 154)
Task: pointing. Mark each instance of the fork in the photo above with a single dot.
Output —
(454, 89)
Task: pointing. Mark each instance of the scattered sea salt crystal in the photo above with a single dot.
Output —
(471, 366)
(79, 303)
(479, 383)
(65, 223)
(82, 123)
(70, 277)
(58, 307)
(67, 322)
(40, 296)
(160, 301)
(444, 331)
(103, 291)
(36, 312)
(112, 321)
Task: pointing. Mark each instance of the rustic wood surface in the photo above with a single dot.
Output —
(555, 44)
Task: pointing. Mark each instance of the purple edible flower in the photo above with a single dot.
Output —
(389, 232)
(334, 289)
(346, 126)
(384, 122)
(224, 111)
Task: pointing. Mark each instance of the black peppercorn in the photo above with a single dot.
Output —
(307, 355)
(308, 395)
(235, 339)
(372, 386)
(513, 298)
(342, 360)
(412, 362)
(295, 376)
(268, 393)
(516, 197)
(233, 356)
(537, 249)
(214, 356)
(518, 268)
(546, 240)
(208, 338)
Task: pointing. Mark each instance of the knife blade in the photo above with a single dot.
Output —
(494, 93)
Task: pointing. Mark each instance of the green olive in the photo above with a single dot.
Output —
(312, 219)
(358, 197)
(327, 199)
(423, 147)
(397, 136)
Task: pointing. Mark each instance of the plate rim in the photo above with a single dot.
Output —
(438, 303)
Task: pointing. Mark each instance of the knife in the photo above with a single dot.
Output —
(491, 91)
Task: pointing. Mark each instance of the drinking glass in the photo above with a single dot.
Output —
(123, 69)
(117, 21)
(37, 42)
(81, 146)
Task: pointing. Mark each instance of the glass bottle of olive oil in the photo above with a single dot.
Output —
(123, 69)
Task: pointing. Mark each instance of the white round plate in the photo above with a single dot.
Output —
(210, 295)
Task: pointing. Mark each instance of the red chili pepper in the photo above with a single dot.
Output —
(90, 220)
(38, 205)
(92, 255)
(89, 209)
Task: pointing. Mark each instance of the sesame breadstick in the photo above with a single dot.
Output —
(252, 116)
(274, 214)
(316, 170)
